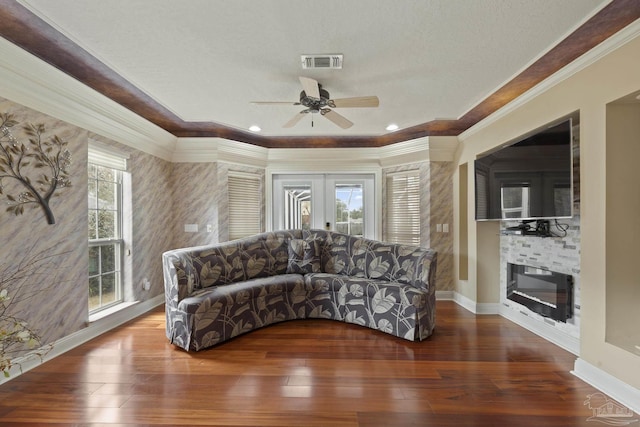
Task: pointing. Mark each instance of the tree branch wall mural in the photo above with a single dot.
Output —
(41, 167)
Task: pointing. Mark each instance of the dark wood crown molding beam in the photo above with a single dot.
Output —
(32, 34)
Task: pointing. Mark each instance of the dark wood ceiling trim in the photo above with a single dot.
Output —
(611, 19)
(32, 34)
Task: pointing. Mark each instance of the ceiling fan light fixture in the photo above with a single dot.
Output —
(392, 127)
(255, 128)
(316, 100)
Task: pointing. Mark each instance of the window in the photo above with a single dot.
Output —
(106, 244)
(403, 208)
(245, 204)
(515, 201)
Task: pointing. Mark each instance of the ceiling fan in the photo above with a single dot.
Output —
(317, 100)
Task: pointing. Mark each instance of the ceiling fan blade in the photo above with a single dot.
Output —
(336, 118)
(310, 87)
(274, 103)
(357, 102)
(295, 119)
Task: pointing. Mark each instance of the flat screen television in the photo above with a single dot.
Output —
(527, 179)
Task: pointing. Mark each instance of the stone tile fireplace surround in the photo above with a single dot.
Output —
(559, 254)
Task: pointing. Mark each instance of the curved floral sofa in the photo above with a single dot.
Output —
(216, 292)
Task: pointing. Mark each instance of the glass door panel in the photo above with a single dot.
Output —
(297, 201)
(297, 206)
(350, 206)
(349, 209)
(343, 203)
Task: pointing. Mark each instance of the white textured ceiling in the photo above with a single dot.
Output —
(206, 60)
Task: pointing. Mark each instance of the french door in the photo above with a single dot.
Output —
(337, 202)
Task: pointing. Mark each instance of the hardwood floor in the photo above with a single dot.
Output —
(474, 371)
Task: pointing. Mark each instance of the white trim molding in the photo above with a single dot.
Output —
(93, 330)
(444, 295)
(480, 308)
(443, 148)
(29, 81)
(202, 150)
(465, 302)
(619, 390)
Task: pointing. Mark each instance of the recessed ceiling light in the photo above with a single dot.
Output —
(392, 127)
(255, 128)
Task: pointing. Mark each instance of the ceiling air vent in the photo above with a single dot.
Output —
(310, 62)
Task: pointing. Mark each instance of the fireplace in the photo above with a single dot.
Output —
(542, 291)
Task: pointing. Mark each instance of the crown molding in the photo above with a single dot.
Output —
(614, 42)
(196, 150)
(200, 150)
(443, 148)
(31, 82)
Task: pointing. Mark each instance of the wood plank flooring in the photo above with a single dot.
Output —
(474, 371)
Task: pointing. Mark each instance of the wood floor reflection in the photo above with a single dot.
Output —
(474, 371)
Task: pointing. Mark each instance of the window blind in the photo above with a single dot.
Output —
(403, 208)
(245, 205)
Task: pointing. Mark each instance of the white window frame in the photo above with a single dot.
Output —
(103, 157)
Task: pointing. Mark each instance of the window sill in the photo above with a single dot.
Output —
(109, 311)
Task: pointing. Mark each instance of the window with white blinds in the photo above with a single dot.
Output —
(403, 208)
(245, 205)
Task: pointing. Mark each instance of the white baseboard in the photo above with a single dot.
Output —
(487, 308)
(475, 307)
(464, 302)
(562, 340)
(444, 295)
(64, 344)
(618, 390)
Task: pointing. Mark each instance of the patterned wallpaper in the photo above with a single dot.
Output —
(437, 208)
(441, 212)
(59, 306)
(195, 201)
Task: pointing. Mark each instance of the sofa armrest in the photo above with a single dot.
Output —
(180, 278)
(425, 273)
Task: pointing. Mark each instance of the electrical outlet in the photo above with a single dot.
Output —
(146, 284)
(209, 228)
(439, 228)
(445, 228)
(191, 228)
